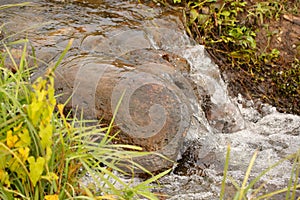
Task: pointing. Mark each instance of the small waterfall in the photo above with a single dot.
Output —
(145, 51)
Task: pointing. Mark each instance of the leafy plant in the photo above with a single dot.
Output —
(240, 35)
(217, 24)
(265, 9)
(45, 154)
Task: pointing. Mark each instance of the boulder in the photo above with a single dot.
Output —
(154, 96)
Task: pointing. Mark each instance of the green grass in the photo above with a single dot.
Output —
(45, 154)
(247, 188)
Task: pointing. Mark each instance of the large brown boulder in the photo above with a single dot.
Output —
(155, 109)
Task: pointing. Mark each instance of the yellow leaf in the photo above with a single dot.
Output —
(42, 102)
(23, 153)
(51, 197)
(4, 177)
(36, 169)
(46, 135)
(51, 91)
(48, 153)
(25, 139)
(18, 127)
(34, 111)
(11, 139)
(50, 177)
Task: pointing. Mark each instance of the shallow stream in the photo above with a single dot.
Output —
(127, 34)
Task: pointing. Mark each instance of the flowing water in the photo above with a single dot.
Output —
(126, 40)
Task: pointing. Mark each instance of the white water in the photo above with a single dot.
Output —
(274, 134)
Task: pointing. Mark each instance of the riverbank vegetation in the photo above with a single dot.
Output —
(47, 154)
(255, 43)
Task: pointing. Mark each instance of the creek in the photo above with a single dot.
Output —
(175, 93)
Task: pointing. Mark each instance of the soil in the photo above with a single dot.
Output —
(275, 82)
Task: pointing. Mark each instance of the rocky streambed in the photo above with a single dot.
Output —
(176, 102)
(274, 135)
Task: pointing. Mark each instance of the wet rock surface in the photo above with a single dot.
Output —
(141, 39)
(154, 112)
(274, 135)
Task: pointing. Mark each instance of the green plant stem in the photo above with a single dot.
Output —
(275, 192)
(243, 188)
(225, 173)
(15, 156)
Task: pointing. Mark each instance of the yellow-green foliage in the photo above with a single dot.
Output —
(44, 154)
(27, 147)
(40, 112)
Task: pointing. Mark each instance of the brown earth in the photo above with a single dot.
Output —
(275, 85)
(276, 81)
(269, 80)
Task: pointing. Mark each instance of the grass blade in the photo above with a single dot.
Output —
(243, 188)
(14, 5)
(267, 196)
(225, 173)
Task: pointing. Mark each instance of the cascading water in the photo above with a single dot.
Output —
(128, 44)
